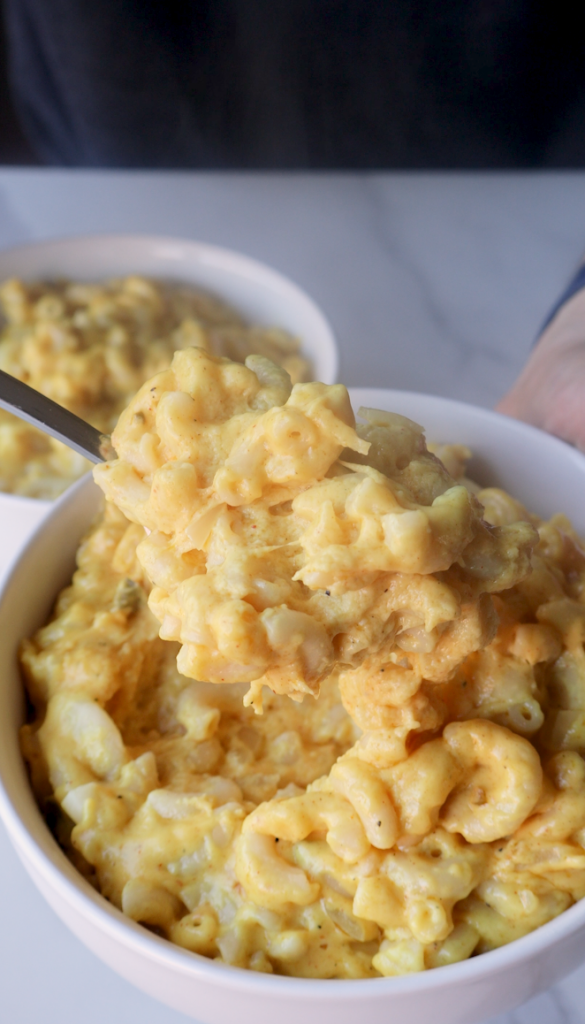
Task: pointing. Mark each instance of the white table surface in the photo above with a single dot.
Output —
(433, 283)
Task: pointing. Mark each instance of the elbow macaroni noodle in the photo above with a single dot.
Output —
(421, 798)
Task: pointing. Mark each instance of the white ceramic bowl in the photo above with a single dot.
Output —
(261, 294)
(548, 476)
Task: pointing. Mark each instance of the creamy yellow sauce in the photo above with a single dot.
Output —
(422, 797)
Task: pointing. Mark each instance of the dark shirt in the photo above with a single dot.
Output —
(294, 83)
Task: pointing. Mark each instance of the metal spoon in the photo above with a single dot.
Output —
(52, 419)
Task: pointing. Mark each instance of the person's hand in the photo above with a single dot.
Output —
(550, 391)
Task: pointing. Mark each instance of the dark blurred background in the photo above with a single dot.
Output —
(14, 149)
(316, 84)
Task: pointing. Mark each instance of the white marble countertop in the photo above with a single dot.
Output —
(433, 283)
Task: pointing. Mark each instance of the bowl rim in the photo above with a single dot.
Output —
(52, 864)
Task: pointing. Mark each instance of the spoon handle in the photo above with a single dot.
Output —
(53, 419)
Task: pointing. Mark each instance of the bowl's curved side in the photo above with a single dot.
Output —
(211, 992)
(19, 517)
(261, 294)
(460, 994)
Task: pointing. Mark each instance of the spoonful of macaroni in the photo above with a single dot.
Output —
(284, 541)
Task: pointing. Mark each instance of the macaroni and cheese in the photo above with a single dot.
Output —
(422, 797)
(91, 346)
